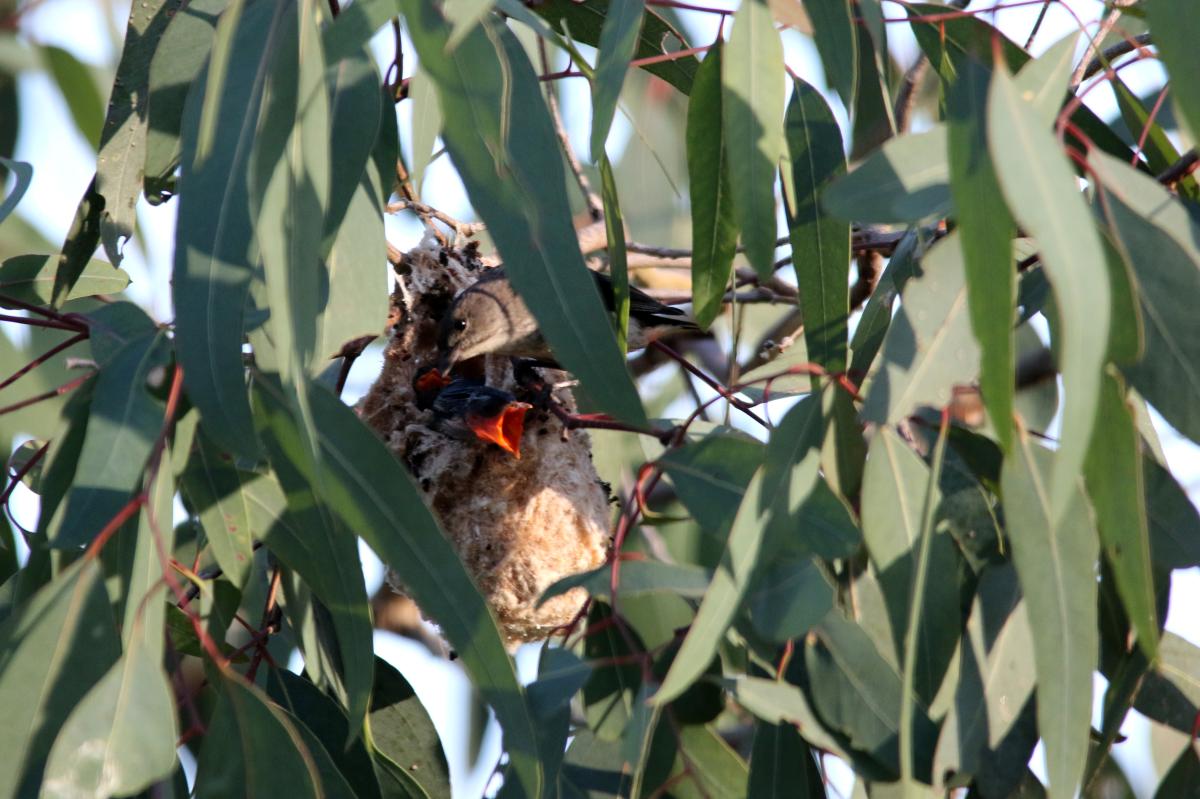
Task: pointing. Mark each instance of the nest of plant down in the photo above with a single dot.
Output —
(518, 523)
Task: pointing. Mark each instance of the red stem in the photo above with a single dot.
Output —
(54, 392)
(36, 362)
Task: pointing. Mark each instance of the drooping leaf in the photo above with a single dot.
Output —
(1170, 692)
(1175, 28)
(820, 243)
(402, 730)
(895, 481)
(364, 486)
(778, 702)
(426, 125)
(1174, 521)
(905, 180)
(714, 230)
(614, 227)
(248, 730)
(119, 167)
(995, 680)
(146, 593)
(1157, 237)
(874, 119)
(214, 490)
(788, 597)
(176, 65)
(121, 737)
(215, 240)
(585, 21)
(125, 419)
(986, 230)
(773, 498)
(54, 648)
(30, 279)
(877, 315)
(1056, 565)
(752, 87)
(1183, 777)
(837, 44)
(711, 476)
(1113, 471)
(1158, 150)
(716, 770)
(637, 577)
(24, 173)
(1042, 193)
(515, 179)
(928, 348)
(783, 765)
(79, 89)
(618, 42)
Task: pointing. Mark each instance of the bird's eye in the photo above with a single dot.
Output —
(460, 324)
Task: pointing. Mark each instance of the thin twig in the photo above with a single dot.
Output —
(349, 354)
(906, 98)
(1106, 25)
(711, 383)
(594, 206)
(34, 322)
(1037, 24)
(54, 392)
(464, 229)
(36, 362)
(1106, 57)
(1180, 169)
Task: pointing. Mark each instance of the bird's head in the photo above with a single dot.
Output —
(485, 318)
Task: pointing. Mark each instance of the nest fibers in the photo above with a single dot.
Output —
(518, 524)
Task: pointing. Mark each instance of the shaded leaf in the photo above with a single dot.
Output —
(1042, 193)
(515, 179)
(637, 577)
(24, 173)
(79, 89)
(928, 348)
(820, 244)
(53, 649)
(146, 590)
(1175, 30)
(782, 764)
(986, 231)
(1056, 566)
(1183, 780)
(779, 702)
(752, 86)
(214, 489)
(788, 597)
(618, 42)
(905, 180)
(714, 229)
(365, 487)
(877, 315)
(30, 279)
(401, 730)
(426, 125)
(1174, 521)
(214, 241)
(120, 164)
(716, 769)
(837, 44)
(711, 475)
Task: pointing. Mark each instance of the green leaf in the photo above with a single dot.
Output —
(896, 479)
(614, 227)
(1174, 521)
(788, 598)
(514, 177)
(560, 676)
(78, 88)
(1175, 30)
(30, 279)
(618, 43)
(146, 592)
(364, 486)
(298, 528)
(289, 194)
(877, 315)
(752, 87)
(1056, 565)
(1184, 776)
(247, 731)
(782, 765)
(778, 702)
(215, 240)
(874, 120)
(820, 243)
(637, 577)
(1158, 149)
(120, 165)
(177, 64)
(995, 679)
(905, 180)
(711, 475)
(426, 124)
(857, 693)
(54, 648)
(125, 419)
(837, 44)
(986, 231)
(464, 15)
(585, 20)
(355, 26)
(775, 493)
(402, 730)
(1157, 237)
(714, 229)
(214, 490)
(121, 737)
(355, 111)
(716, 770)
(928, 349)
(24, 173)
(1113, 471)
(1042, 192)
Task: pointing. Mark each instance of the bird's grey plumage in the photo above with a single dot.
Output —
(491, 318)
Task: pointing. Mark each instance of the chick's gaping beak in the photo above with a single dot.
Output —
(504, 429)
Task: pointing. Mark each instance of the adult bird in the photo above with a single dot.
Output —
(490, 318)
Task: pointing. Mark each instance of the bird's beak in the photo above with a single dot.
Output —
(504, 429)
(446, 362)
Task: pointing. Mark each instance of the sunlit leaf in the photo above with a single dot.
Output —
(618, 43)
(837, 44)
(906, 180)
(637, 577)
(402, 731)
(1175, 29)
(30, 279)
(752, 84)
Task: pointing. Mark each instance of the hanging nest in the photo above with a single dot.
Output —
(519, 524)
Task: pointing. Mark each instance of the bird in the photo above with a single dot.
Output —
(466, 407)
(489, 317)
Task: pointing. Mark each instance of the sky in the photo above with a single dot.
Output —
(64, 162)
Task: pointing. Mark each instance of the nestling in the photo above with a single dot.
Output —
(491, 318)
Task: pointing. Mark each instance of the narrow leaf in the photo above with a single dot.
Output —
(714, 229)
(837, 44)
(1042, 193)
(618, 43)
(782, 765)
(1175, 29)
(24, 173)
(820, 243)
(752, 81)
(30, 279)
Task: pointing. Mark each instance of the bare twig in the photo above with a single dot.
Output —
(906, 98)
(1179, 170)
(349, 354)
(1110, 20)
(427, 212)
(55, 350)
(1137, 43)
(594, 206)
(54, 392)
